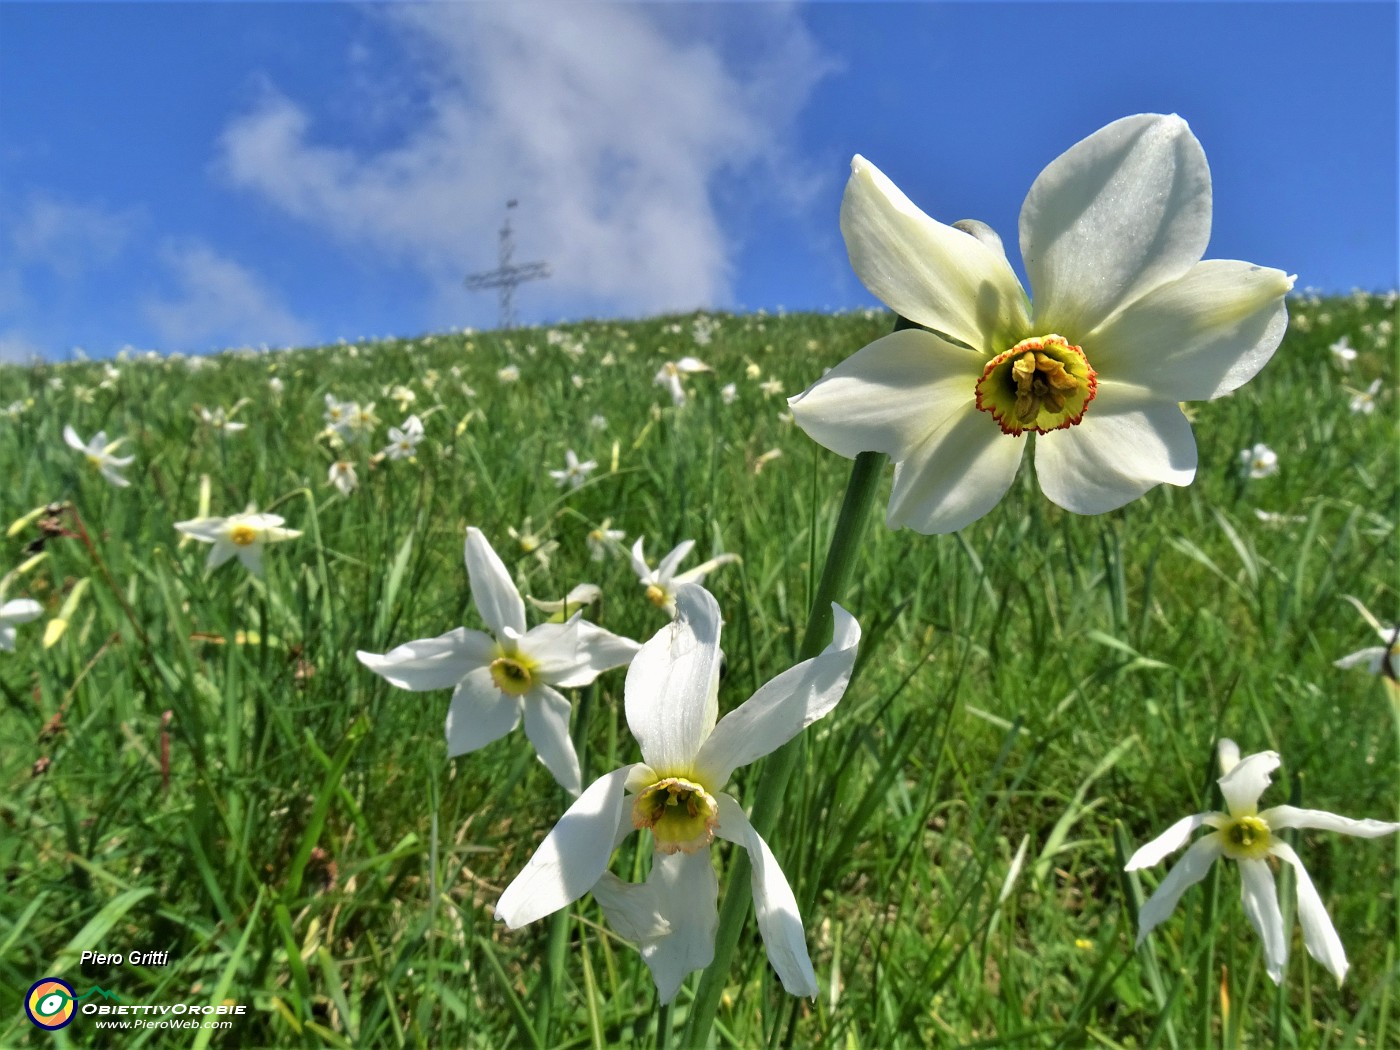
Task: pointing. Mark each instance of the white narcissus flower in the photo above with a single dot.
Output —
(677, 793)
(221, 420)
(403, 443)
(670, 377)
(1343, 353)
(661, 582)
(574, 473)
(243, 535)
(1259, 462)
(1126, 323)
(1247, 835)
(342, 476)
(512, 672)
(1363, 402)
(603, 539)
(1383, 659)
(20, 610)
(98, 452)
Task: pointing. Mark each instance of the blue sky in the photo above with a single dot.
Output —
(197, 176)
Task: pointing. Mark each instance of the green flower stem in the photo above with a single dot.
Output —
(559, 923)
(777, 769)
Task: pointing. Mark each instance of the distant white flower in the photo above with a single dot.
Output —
(598, 422)
(403, 396)
(661, 582)
(509, 374)
(98, 452)
(276, 385)
(771, 387)
(243, 535)
(677, 794)
(19, 610)
(1259, 462)
(512, 672)
(404, 442)
(1363, 402)
(1247, 836)
(1343, 353)
(670, 377)
(532, 543)
(220, 420)
(728, 393)
(1127, 321)
(602, 541)
(574, 473)
(342, 476)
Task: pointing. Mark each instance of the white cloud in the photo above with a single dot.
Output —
(69, 238)
(220, 303)
(615, 127)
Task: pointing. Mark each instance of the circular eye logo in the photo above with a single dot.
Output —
(49, 1003)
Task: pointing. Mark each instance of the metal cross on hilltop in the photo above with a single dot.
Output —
(506, 276)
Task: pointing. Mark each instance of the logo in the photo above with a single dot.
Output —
(49, 1003)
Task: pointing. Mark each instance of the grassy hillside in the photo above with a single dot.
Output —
(198, 763)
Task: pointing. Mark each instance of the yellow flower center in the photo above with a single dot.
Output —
(243, 535)
(1040, 384)
(681, 815)
(512, 675)
(1246, 838)
(656, 596)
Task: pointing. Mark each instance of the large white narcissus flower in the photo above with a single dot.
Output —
(1127, 322)
(498, 680)
(676, 793)
(243, 535)
(1248, 835)
(98, 452)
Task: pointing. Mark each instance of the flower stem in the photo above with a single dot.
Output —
(777, 769)
(559, 923)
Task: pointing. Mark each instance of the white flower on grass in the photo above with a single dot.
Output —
(574, 473)
(1126, 323)
(276, 385)
(1343, 353)
(19, 610)
(661, 582)
(337, 413)
(1247, 835)
(403, 396)
(677, 793)
(342, 476)
(243, 535)
(219, 419)
(1259, 462)
(403, 443)
(509, 374)
(598, 422)
(1363, 402)
(511, 673)
(729, 393)
(98, 452)
(670, 377)
(604, 540)
(1383, 659)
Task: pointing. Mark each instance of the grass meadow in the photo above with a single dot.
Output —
(198, 764)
